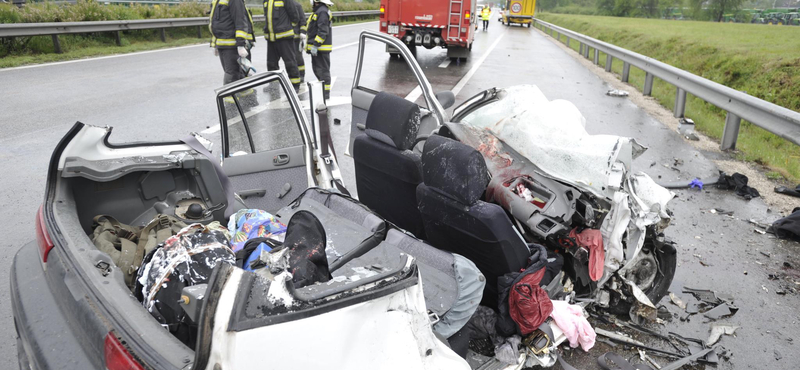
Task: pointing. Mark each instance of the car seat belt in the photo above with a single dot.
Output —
(227, 188)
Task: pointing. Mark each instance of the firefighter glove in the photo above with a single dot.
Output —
(303, 38)
(314, 49)
(216, 52)
(242, 51)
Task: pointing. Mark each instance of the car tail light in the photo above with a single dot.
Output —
(117, 357)
(42, 237)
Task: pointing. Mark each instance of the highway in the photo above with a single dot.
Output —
(165, 94)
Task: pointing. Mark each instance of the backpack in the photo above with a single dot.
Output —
(127, 245)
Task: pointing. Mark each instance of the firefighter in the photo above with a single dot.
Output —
(281, 17)
(320, 43)
(300, 42)
(486, 14)
(232, 36)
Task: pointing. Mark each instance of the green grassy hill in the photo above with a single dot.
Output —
(763, 61)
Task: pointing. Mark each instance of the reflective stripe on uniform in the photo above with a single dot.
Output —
(327, 87)
(226, 42)
(223, 2)
(295, 80)
(278, 3)
(289, 33)
(244, 35)
(269, 20)
(302, 68)
(325, 48)
(319, 39)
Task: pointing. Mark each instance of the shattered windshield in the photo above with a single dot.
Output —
(552, 134)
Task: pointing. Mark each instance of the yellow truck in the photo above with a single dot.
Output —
(518, 12)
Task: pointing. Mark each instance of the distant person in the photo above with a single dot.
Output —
(232, 36)
(320, 43)
(281, 18)
(300, 38)
(486, 14)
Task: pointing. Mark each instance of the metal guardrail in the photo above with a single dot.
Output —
(62, 28)
(739, 105)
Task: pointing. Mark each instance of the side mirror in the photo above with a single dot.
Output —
(446, 98)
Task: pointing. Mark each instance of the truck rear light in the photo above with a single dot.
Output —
(383, 11)
(42, 237)
(466, 15)
(117, 357)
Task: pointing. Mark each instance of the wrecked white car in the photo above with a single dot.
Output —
(163, 256)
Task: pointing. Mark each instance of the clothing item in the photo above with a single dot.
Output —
(281, 17)
(320, 32)
(737, 182)
(485, 24)
(247, 224)
(789, 226)
(570, 320)
(300, 26)
(233, 71)
(592, 240)
(518, 302)
(486, 14)
(306, 242)
(321, 64)
(284, 49)
(230, 24)
(301, 63)
(785, 190)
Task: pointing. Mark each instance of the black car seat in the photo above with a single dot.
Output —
(456, 220)
(387, 171)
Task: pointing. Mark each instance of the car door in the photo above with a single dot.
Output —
(378, 71)
(266, 147)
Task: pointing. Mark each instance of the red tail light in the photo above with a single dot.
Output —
(117, 357)
(42, 237)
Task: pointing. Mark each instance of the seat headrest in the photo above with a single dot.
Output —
(454, 168)
(393, 120)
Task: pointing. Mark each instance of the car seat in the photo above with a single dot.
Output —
(458, 221)
(387, 170)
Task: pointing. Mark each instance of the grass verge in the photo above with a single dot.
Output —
(39, 49)
(762, 61)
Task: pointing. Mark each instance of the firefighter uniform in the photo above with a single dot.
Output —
(299, 36)
(231, 28)
(320, 42)
(281, 16)
(486, 14)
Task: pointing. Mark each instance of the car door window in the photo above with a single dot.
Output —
(265, 142)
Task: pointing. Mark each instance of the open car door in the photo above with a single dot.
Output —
(267, 150)
(401, 75)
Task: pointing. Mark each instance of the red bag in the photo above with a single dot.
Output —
(529, 305)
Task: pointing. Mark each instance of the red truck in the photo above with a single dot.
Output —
(431, 23)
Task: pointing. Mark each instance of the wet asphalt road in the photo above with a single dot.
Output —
(165, 94)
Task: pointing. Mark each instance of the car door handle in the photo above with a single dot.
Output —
(280, 159)
(252, 193)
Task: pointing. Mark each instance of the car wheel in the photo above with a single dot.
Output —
(653, 272)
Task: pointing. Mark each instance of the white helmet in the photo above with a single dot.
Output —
(326, 2)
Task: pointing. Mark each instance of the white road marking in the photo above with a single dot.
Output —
(414, 94)
(446, 63)
(156, 51)
(463, 82)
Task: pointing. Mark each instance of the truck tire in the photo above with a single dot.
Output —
(529, 25)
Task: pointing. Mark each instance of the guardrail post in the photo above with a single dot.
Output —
(586, 51)
(581, 48)
(596, 57)
(626, 71)
(163, 35)
(680, 102)
(609, 61)
(731, 131)
(56, 43)
(648, 85)
(199, 32)
(558, 36)
(568, 40)
(117, 38)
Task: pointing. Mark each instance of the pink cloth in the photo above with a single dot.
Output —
(592, 240)
(570, 320)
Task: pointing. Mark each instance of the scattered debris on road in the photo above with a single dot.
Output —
(737, 182)
(686, 129)
(791, 192)
(617, 93)
(718, 330)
